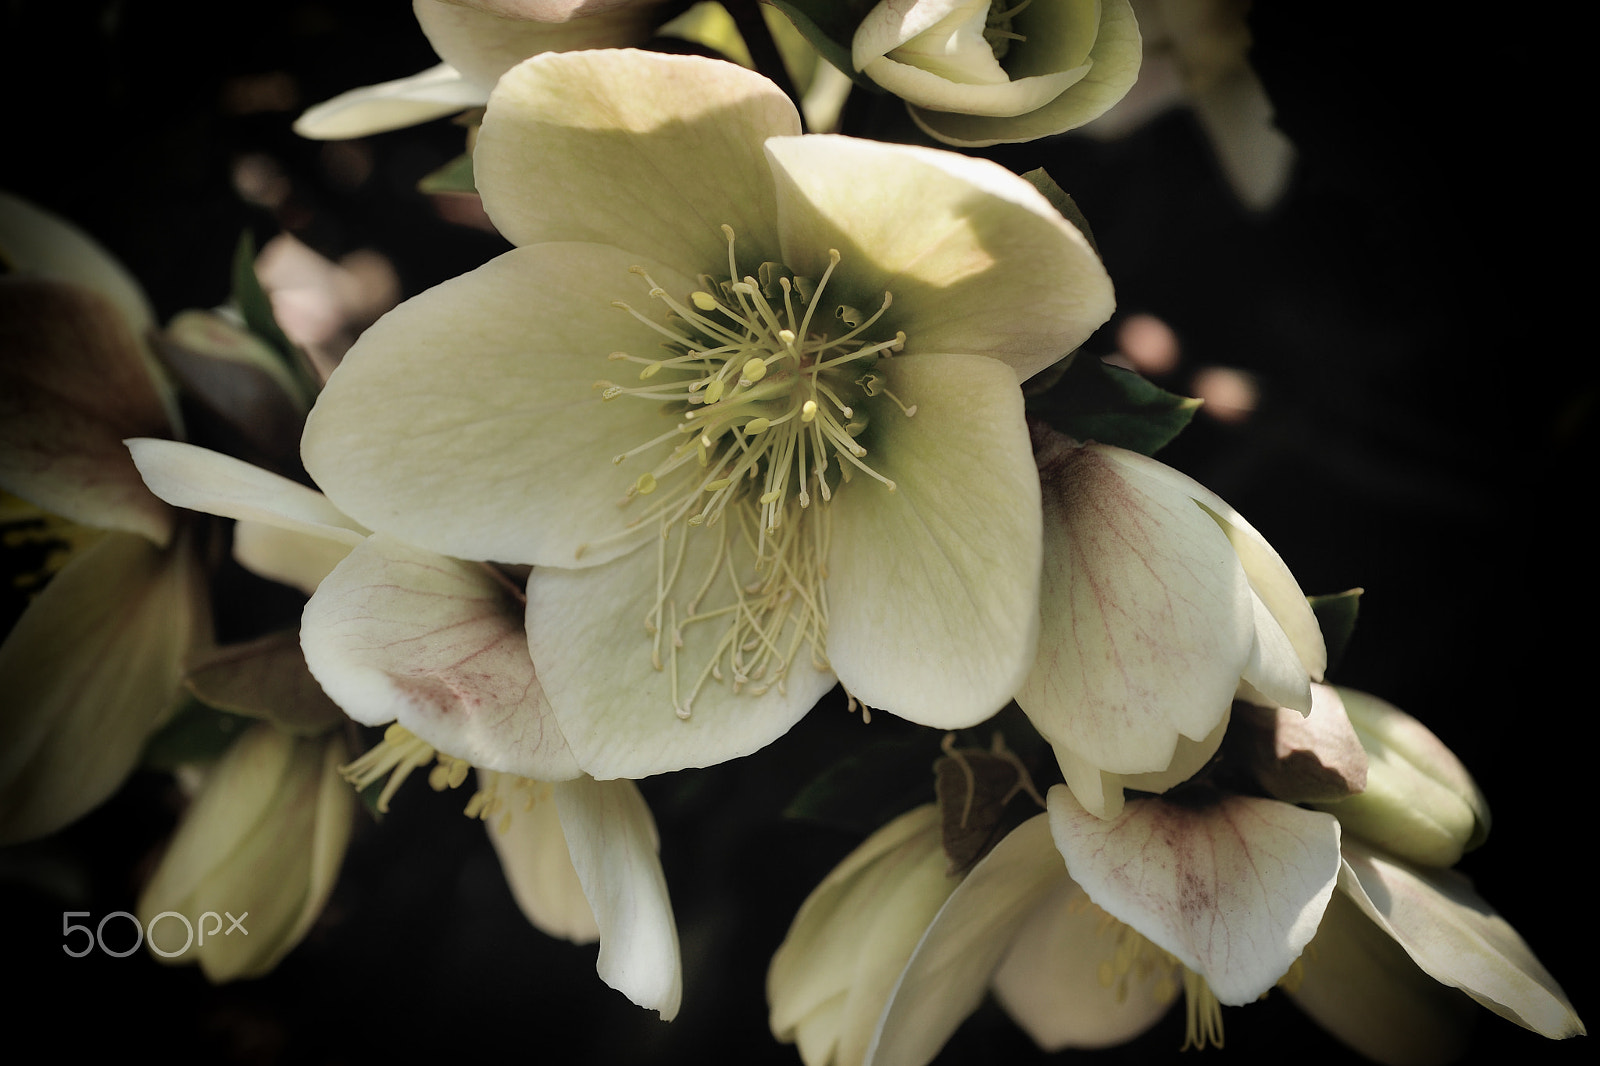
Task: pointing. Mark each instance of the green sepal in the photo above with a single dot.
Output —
(1062, 201)
(196, 734)
(1092, 400)
(830, 27)
(454, 177)
(1336, 615)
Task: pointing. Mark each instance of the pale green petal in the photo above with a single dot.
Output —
(587, 631)
(1255, 155)
(933, 588)
(73, 384)
(300, 560)
(1234, 890)
(1458, 939)
(1113, 68)
(208, 481)
(436, 644)
(935, 93)
(890, 25)
(484, 44)
(91, 669)
(1096, 791)
(614, 848)
(467, 420)
(1274, 676)
(975, 258)
(644, 151)
(391, 105)
(1050, 980)
(1146, 615)
(831, 977)
(262, 842)
(1359, 984)
(533, 853)
(950, 971)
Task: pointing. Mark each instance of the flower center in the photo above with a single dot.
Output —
(1134, 959)
(997, 26)
(771, 379)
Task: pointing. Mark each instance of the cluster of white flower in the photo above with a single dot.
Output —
(741, 417)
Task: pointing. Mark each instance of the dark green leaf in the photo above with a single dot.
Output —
(830, 26)
(455, 176)
(1093, 400)
(1336, 614)
(1062, 202)
(197, 733)
(870, 786)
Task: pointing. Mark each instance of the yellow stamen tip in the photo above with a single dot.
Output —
(646, 484)
(754, 370)
(704, 301)
(714, 391)
(808, 411)
(758, 425)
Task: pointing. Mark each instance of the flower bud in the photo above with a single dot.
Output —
(975, 73)
(831, 977)
(1420, 803)
(261, 844)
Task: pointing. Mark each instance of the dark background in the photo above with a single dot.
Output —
(1412, 316)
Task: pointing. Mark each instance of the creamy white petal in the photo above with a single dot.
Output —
(933, 588)
(890, 25)
(1233, 890)
(300, 560)
(391, 105)
(467, 420)
(613, 843)
(1147, 619)
(645, 151)
(976, 259)
(1458, 939)
(1360, 985)
(831, 977)
(91, 669)
(1050, 980)
(204, 480)
(436, 644)
(950, 971)
(587, 632)
(532, 847)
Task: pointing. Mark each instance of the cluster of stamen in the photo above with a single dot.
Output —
(401, 751)
(771, 384)
(1135, 959)
(997, 27)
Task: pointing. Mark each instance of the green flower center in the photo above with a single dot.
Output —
(997, 27)
(770, 379)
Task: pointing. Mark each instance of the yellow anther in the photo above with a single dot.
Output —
(720, 483)
(649, 371)
(771, 497)
(714, 391)
(646, 484)
(704, 301)
(754, 370)
(808, 411)
(757, 425)
(786, 336)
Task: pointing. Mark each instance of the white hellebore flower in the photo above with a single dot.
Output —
(434, 648)
(1160, 603)
(981, 72)
(809, 460)
(1217, 902)
(478, 40)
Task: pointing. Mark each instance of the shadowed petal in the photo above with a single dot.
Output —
(614, 847)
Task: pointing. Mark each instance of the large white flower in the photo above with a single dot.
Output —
(1160, 603)
(434, 649)
(805, 456)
